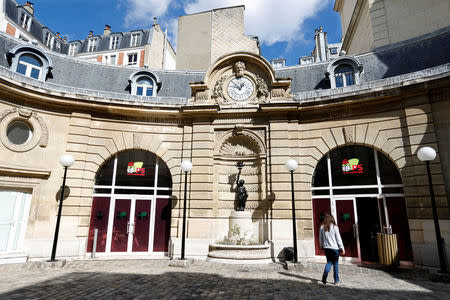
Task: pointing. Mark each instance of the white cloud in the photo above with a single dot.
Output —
(142, 12)
(271, 20)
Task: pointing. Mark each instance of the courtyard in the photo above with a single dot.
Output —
(159, 279)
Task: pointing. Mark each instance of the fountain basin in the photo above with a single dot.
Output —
(240, 254)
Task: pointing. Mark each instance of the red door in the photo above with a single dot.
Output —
(99, 220)
(321, 207)
(346, 221)
(119, 238)
(141, 225)
(398, 219)
(162, 225)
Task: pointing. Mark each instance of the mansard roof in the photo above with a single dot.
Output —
(398, 60)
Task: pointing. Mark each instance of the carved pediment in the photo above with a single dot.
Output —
(240, 79)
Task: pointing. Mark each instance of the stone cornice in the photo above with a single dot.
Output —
(11, 170)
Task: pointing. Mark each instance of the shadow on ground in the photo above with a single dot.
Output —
(193, 285)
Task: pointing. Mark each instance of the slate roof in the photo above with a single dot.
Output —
(396, 60)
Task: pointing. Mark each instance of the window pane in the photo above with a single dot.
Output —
(339, 81)
(113, 59)
(19, 132)
(31, 59)
(353, 165)
(22, 69)
(139, 91)
(164, 177)
(35, 73)
(320, 177)
(343, 69)
(149, 92)
(350, 78)
(136, 168)
(144, 81)
(105, 175)
(388, 171)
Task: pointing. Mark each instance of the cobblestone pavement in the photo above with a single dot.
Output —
(155, 279)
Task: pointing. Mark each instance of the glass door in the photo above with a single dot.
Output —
(346, 219)
(130, 225)
(14, 210)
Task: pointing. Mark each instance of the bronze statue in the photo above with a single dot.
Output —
(241, 190)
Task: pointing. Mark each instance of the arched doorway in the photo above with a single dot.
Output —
(363, 190)
(131, 205)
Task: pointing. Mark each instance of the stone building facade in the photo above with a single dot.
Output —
(376, 109)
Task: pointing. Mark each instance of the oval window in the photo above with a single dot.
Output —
(19, 132)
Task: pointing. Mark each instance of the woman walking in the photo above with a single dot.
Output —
(330, 240)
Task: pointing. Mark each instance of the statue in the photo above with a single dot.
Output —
(242, 191)
(239, 68)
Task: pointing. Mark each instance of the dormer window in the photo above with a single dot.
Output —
(92, 45)
(344, 71)
(114, 42)
(144, 83)
(25, 21)
(49, 40)
(134, 40)
(28, 60)
(144, 86)
(29, 65)
(73, 49)
(344, 75)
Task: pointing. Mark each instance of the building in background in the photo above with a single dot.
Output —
(138, 48)
(206, 36)
(372, 24)
(354, 125)
(322, 50)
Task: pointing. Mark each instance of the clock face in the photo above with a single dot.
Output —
(240, 89)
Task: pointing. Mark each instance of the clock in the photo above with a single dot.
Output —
(240, 89)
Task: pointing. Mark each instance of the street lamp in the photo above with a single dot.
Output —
(65, 161)
(428, 154)
(186, 166)
(291, 166)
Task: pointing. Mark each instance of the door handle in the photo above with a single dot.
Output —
(355, 231)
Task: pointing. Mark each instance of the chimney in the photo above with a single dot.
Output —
(57, 34)
(107, 30)
(91, 33)
(154, 21)
(65, 39)
(29, 7)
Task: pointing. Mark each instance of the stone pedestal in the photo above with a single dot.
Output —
(243, 219)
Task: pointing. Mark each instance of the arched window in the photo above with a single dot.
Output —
(144, 86)
(344, 75)
(363, 190)
(144, 83)
(344, 71)
(131, 204)
(29, 65)
(28, 60)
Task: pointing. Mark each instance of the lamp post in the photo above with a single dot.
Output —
(186, 166)
(291, 166)
(65, 161)
(428, 154)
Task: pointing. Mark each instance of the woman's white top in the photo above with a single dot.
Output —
(330, 239)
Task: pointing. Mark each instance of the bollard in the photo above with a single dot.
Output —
(94, 243)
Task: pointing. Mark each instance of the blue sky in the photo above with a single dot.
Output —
(284, 27)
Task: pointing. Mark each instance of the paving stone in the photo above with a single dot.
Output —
(156, 279)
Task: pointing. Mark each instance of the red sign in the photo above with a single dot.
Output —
(352, 166)
(135, 168)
